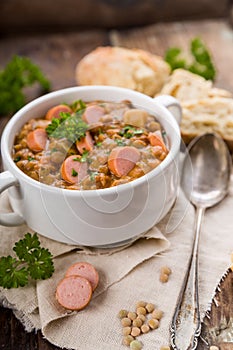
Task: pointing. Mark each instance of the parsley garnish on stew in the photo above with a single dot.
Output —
(69, 126)
(17, 159)
(129, 131)
(74, 172)
(83, 158)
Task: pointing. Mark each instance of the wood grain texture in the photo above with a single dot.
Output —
(40, 15)
(217, 323)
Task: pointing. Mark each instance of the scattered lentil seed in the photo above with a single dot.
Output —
(213, 347)
(132, 315)
(135, 345)
(137, 322)
(166, 270)
(150, 307)
(153, 323)
(141, 311)
(126, 322)
(142, 317)
(135, 331)
(158, 314)
(127, 340)
(165, 348)
(140, 303)
(163, 277)
(122, 313)
(145, 328)
(126, 330)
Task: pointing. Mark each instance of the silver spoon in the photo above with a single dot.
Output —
(205, 182)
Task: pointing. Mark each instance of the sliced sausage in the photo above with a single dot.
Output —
(122, 159)
(85, 270)
(93, 114)
(156, 139)
(85, 144)
(74, 292)
(36, 139)
(72, 170)
(54, 112)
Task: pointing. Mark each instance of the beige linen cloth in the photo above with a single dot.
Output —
(127, 275)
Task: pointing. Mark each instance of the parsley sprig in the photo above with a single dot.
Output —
(129, 131)
(69, 126)
(32, 261)
(19, 73)
(201, 59)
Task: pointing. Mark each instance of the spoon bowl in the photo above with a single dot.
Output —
(206, 171)
(205, 182)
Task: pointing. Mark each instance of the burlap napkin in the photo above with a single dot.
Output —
(126, 275)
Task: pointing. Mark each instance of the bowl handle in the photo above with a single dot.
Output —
(172, 104)
(9, 219)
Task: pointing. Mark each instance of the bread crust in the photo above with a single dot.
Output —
(130, 68)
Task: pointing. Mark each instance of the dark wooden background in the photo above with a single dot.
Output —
(58, 53)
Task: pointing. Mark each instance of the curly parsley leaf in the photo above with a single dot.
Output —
(25, 247)
(69, 126)
(32, 261)
(42, 265)
(11, 274)
(201, 59)
(19, 73)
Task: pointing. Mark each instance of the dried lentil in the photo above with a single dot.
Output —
(163, 277)
(158, 314)
(135, 345)
(140, 303)
(122, 313)
(126, 330)
(141, 311)
(213, 347)
(142, 317)
(150, 307)
(166, 270)
(145, 328)
(153, 323)
(135, 331)
(165, 348)
(127, 340)
(126, 322)
(137, 322)
(132, 315)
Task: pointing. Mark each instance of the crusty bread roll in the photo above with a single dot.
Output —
(208, 115)
(134, 69)
(187, 86)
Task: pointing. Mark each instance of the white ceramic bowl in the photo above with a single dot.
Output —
(103, 217)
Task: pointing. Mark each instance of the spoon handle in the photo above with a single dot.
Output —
(186, 324)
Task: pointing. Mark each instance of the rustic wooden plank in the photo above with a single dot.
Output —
(43, 15)
(217, 34)
(56, 54)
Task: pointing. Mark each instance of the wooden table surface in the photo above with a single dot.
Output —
(57, 54)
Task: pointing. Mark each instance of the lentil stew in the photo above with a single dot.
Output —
(90, 145)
